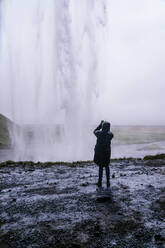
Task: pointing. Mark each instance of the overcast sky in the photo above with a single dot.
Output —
(134, 88)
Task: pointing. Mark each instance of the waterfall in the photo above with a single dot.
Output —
(49, 53)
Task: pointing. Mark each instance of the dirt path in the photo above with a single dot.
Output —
(57, 206)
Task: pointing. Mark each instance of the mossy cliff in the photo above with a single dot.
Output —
(5, 124)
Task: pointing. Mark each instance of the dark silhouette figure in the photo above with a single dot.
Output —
(103, 150)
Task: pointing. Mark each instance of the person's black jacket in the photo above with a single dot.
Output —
(103, 145)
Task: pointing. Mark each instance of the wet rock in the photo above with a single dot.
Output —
(120, 213)
(155, 163)
(113, 175)
(161, 202)
(150, 186)
(159, 238)
(85, 184)
(3, 244)
(75, 245)
(143, 234)
(123, 199)
(123, 175)
(123, 186)
(126, 226)
(103, 199)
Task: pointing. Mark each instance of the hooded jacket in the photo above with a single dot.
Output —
(103, 144)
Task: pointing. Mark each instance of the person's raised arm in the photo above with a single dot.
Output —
(98, 128)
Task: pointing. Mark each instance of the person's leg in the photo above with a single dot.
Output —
(108, 175)
(100, 176)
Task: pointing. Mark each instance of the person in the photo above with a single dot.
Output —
(102, 152)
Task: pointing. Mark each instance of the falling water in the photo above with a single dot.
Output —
(49, 53)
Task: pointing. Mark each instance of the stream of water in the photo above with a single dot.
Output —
(49, 53)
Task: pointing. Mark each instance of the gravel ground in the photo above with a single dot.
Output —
(51, 205)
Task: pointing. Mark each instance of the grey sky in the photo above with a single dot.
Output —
(134, 86)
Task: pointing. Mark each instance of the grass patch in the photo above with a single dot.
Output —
(4, 133)
(43, 164)
(76, 163)
(51, 163)
(154, 157)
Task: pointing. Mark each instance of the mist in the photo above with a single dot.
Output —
(129, 81)
(74, 63)
(49, 66)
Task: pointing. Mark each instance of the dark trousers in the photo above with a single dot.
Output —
(101, 175)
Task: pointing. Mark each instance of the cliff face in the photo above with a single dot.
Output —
(5, 123)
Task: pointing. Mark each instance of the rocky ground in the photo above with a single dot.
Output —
(56, 205)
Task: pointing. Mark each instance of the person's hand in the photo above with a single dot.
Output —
(101, 122)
